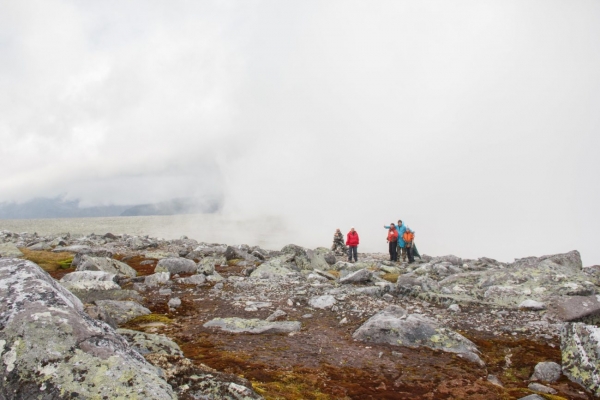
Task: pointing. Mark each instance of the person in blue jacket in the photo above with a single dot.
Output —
(401, 228)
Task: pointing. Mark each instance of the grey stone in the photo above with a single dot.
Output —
(541, 388)
(159, 278)
(532, 397)
(176, 265)
(107, 265)
(325, 274)
(9, 250)
(322, 302)
(394, 326)
(577, 308)
(159, 255)
(52, 350)
(547, 371)
(146, 343)
(276, 267)
(164, 292)
(198, 279)
(493, 379)
(175, 302)
(207, 265)
(532, 305)
(76, 248)
(122, 311)
(362, 275)
(256, 326)
(454, 308)
(277, 315)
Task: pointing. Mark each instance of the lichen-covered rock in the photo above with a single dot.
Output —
(146, 343)
(159, 278)
(580, 348)
(106, 264)
(362, 275)
(52, 350)
(207, 265)
(176, 266)
(394, 326)
(198, 279)
(10, 250)
(237, 253)
(254, 325)
(273, 268)
(91, 286)
(122, 311)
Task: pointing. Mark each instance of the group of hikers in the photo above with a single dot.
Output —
(400, 239)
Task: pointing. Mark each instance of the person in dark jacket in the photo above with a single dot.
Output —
(352, 243)
(392, 239)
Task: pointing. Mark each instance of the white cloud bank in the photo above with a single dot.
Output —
(474, 121)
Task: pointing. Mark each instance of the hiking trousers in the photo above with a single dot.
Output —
(352, 250)
(393, 251)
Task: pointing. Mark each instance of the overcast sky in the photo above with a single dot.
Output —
(476, 122)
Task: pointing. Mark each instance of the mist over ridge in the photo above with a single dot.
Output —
(474, 122)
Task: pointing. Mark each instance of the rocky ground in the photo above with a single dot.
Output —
(216, 321)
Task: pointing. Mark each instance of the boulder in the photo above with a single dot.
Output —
(146, 343)
(159, 278)
(541, 388)
(276, 267)
(578, 309)
(193, 280)
(175, 302)
(256, 326)
(322, 302)
(176, 266)
(320, 258)
(580, 349)
(547, 371)
(9, 250)
(238, 253)
(107, 265)
(121, 311)
(52, 350)
(90, 286)
(362, 275)
(207, 265)
(396, 327)
(76, 248)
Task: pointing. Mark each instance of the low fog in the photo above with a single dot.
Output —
(475, 122)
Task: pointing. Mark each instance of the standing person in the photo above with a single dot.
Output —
(409, 237)
(338, 242)
(401, 228)
(352, 243)
(392, 239)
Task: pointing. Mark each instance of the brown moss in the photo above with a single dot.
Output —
(142, 320)
(334, 273)
(135, 263)
(48, 260)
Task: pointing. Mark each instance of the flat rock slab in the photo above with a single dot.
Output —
(52, 350)
(106, 264)
(10, 250)
(394, 326)
(362, 275)
(577, 308)
(322, 302)
(254, 325)
(122, 311)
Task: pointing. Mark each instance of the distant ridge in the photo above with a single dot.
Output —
(59, 207)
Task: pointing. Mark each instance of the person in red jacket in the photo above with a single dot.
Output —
(392, 239)
(352, 243)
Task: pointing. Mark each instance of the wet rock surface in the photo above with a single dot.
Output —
(454, 310)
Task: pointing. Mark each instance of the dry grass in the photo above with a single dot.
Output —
(392, 277)
(48, 260)
(334, 273)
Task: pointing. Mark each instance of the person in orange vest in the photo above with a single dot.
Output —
(409, 237)
(392, 239)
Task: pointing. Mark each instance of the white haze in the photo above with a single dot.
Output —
(476, 122)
